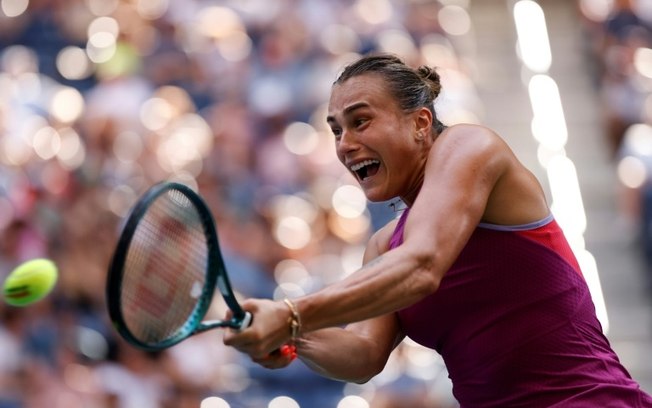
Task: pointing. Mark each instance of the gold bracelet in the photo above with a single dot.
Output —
(295, 320)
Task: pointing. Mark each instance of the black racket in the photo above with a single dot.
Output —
(165, 268)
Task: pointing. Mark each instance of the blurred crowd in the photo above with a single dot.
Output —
(99, 99)
(619, 43)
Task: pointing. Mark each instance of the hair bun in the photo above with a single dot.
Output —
(431, 76)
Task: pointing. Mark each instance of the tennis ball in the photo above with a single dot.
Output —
(30, 282)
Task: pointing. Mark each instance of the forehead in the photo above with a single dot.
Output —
(369, 89)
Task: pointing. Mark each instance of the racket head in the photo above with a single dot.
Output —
(165, 268)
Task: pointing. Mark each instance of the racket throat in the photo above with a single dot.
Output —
(234, 323)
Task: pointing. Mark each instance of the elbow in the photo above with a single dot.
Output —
(429, 274)
(430, 283)
(362, 381)
(361, 376)
(372, 361)
(368, 375)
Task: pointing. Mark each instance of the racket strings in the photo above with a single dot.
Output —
(165, 270)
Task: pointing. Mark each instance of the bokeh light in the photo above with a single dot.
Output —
(13, 8)
(632, 172)
(283, 402)
(596, 10)
(353, 401)
(454, 20)
(67, 105)
(533, 42)
(374, 11)
(349, 201)
(73, 63)
(300, 138)
(214, 402)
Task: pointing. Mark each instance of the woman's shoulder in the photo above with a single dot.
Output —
(472, 141)
(472, 131)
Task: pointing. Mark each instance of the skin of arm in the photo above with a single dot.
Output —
(469, 173)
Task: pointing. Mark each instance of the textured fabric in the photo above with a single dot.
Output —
(514, 322)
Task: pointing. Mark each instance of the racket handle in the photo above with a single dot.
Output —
(246, 321)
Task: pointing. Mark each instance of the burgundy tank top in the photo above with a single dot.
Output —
(514, 322)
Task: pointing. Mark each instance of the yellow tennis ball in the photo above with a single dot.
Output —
(30, 282)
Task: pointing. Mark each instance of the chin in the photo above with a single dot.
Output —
(375, 192)
(377, 198)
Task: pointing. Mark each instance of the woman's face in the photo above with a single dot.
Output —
(383, 147)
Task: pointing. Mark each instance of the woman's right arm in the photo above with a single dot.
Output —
(359, 351)
(355, 354)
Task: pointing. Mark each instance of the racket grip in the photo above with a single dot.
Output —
(246, 321)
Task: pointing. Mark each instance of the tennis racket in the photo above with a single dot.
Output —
(165, 268)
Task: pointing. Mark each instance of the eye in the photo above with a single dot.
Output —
(359, 122)
(337, 132)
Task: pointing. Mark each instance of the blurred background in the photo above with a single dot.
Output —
(99, 99)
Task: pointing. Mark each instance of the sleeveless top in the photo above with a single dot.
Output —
(515, 325)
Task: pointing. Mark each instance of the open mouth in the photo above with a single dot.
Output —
(365, 169)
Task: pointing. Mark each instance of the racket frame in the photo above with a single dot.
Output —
(216, 275)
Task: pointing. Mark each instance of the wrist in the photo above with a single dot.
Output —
(294, 321)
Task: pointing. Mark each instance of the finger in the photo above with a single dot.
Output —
(279, 358)
(229, 338)
(274, 363)
(240, 342)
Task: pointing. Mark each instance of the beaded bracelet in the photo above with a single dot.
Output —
(295, 320)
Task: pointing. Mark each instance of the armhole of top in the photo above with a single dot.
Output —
(520, 227)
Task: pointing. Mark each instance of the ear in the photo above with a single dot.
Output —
(423, 123)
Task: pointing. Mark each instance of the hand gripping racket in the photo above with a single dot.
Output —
(164, 271)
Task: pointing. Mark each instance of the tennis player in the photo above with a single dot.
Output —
(475, 268)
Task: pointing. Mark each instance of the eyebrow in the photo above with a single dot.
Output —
(348, 110)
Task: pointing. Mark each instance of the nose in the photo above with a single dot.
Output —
(346, 143)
